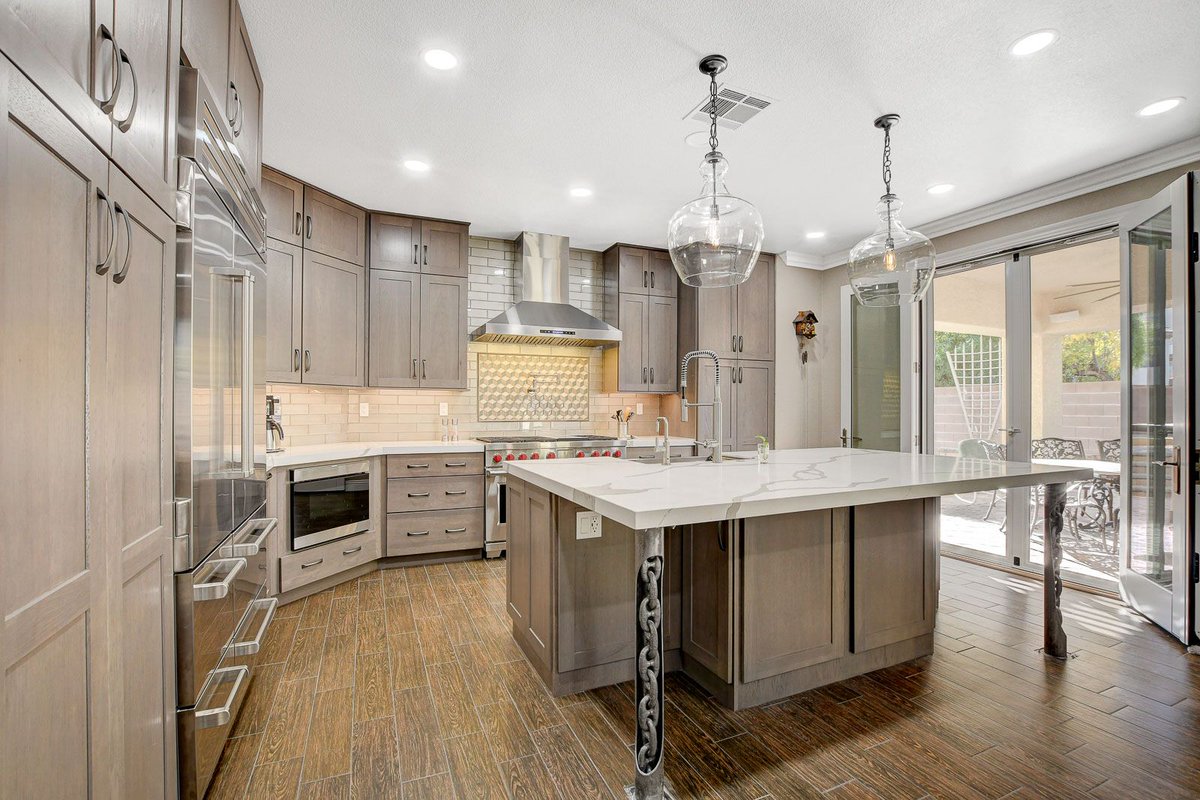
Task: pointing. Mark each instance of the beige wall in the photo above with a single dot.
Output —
(798, 385)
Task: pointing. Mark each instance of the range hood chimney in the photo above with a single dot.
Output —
(543, 313)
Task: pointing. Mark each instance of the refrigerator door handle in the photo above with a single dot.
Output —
(248, 375)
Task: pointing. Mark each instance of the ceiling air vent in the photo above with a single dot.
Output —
(734, 108)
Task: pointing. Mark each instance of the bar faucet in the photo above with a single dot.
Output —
(663, 424)
(717, 453)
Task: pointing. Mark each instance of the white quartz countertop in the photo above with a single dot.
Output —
(648, 441)
(641, 495)
(340, 451)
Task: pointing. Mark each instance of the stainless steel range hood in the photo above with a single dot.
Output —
(543, 313)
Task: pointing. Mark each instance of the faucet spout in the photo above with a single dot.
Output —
(663, 425)
(717, 453)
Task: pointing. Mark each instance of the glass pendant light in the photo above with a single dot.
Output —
(715, 239)
(894, 264)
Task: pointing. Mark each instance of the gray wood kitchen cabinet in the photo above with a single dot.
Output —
(334, 321)
(285, 299)
(755, 318)
(707, 623)
(86, 401)
(633, 318)
(245, 99)
(639, 270)
(419, 245)
(443, 332)
(640, 290)
(517, 561)
(395, 335)
(334, 227)
(205, 42)
(664, 280)
(734, 322)
(284, 198)
(753, 384)
(662, 344)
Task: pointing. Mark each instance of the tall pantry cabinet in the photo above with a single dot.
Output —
(87, 259)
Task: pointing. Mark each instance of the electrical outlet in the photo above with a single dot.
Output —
(639, 409)
(364, 409)
(443, 409)
(587, 525)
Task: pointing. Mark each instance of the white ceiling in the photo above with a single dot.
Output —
(551, 94)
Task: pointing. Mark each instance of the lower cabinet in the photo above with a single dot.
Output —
(434, 504)
(747, 401)
(323, 561)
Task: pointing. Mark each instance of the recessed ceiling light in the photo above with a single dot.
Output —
(1160, 107)
(581, 191)
(941, 188)
(1031, 43)
(413, 165)
(440, 59)
(815, 235)
(697, 139)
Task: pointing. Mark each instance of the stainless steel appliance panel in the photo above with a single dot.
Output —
(329, 502)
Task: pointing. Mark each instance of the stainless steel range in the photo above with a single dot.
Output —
(500, 449)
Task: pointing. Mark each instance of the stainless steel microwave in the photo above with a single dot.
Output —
(329, 502)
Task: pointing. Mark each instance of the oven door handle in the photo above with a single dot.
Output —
(496, 471)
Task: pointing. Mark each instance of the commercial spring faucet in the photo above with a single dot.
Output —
(717, 452)
(663, 425)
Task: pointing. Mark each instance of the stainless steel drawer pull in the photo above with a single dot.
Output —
(456, 492)
(252, 540)
(252, 646)
(308, 226)
(457, 465)
(418, 494)
(296, 360)
(308, 564)
(352, 551)
(417, 466)
(109, 103)
(418, 533)
(416, 254)
(125, 124)
(215, 590)
(299, 224)
(119, 276)
(219, 716)
(103, 266)
(414, 368)
(456, 530)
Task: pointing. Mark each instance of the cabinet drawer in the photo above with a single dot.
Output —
(429, 494)
(434, 531)
(299, 569)
(428, 464)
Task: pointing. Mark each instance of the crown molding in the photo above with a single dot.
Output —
(1130, 169)
(803, 260)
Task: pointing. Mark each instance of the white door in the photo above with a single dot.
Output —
(1158, 543)
(880, 376)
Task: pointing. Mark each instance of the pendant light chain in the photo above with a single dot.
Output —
(712, 112)
(887, 158)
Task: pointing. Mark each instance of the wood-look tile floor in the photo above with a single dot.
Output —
(405, 684)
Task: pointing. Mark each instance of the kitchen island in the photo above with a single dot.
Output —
(757, 580)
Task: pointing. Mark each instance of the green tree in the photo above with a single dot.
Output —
(946, 342)
(1090, 357)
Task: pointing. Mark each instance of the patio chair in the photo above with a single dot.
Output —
(1057, 447)
(985, 451)
(1054, 447)
(1110, 450)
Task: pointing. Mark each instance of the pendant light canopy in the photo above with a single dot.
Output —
(715, 239)
(894, 264)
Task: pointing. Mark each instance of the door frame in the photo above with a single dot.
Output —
(1173, 609)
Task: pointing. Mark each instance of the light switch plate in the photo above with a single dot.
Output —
(443, 409)
(587, 525)
(639, 409)
(364, 409)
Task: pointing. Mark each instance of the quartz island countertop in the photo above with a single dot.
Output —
(642, 495)
(341, 451)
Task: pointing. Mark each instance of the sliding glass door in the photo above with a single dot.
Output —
(880, 378)
(1158, 542)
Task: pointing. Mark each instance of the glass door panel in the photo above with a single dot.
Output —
(881, 401)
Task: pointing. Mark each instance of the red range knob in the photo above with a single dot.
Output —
(616, 453)
(535, 456)
(522, 457)
(551, 455)
(608, 452)
(496, 459)
(509, 457)
(595, 453)
(579, 454)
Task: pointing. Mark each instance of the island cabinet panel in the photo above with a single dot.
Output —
(541, 526)
(895, 572)
(707, 623)
(517, 558)
(794, 592)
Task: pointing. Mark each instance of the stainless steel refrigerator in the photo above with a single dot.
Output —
(222, 610)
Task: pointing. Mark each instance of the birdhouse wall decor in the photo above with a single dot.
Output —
(805, 324)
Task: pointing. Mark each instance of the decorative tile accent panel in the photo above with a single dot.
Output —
(529, 388)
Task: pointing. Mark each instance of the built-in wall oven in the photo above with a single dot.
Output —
(329, 502)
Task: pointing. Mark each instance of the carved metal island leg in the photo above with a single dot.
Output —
(1056, 637)
(649, 781)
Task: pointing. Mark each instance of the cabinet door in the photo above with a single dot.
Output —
(285, 299)
(664, 280)
(444, 248)
(334, 227)
(205, 41)
(59, 45)
(284, 199)
(701, 376)
(443, 332)
(541, 528)
(756, 312)
(147, 32)
(633, 373)
(662, 344)
(633, 270)
(334, 321)
(395, 313)
(517, 560)
(754, 403)
(246, 96)
(894, 562)
(716, 312)
(54, 623)
(139, 494)
(395, 243)
(707, 599)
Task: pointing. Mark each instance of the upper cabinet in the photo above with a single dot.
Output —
(334, 321)
(111, 66)
(737, 322)
(334, 227)
(419, 245)
(640, 291)
(755, 319)
(284, 199)
(664, 281)
(638, 270)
